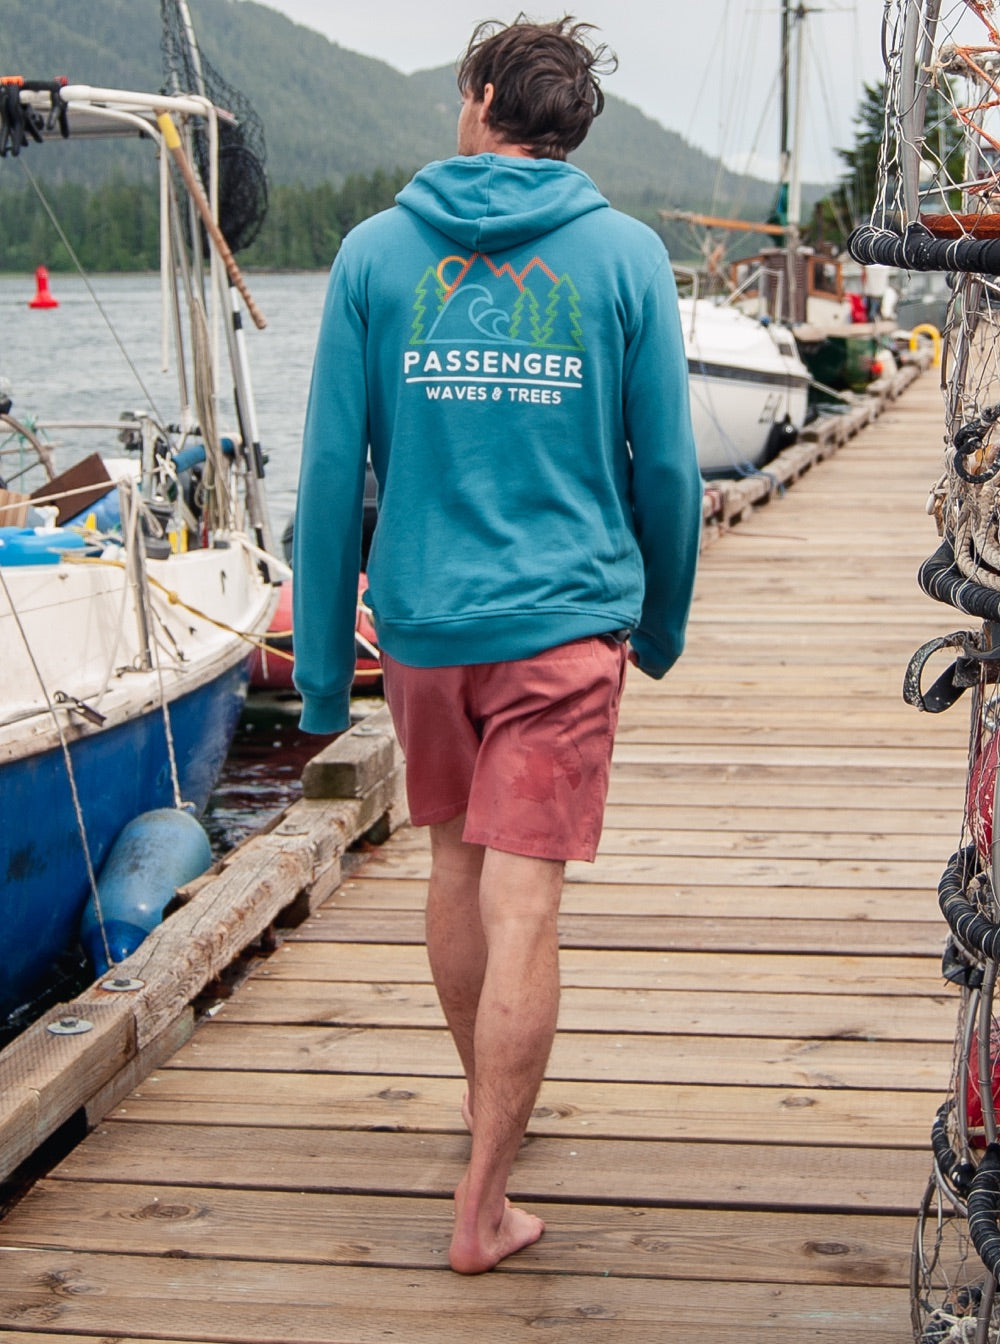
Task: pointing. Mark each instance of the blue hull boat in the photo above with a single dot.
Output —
(118, 775)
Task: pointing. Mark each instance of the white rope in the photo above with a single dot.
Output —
(218, 502)
(144, 596)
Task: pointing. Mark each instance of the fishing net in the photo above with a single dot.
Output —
(957, 1243)
(242, 153)
(938, 208)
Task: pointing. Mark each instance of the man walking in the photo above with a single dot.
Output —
(508, 349)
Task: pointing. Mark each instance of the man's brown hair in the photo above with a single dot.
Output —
(546, 90)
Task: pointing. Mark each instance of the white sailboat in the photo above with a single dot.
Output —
(749, 382)
(748, 385)
(130, 591)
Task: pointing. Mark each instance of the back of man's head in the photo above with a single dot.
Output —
(546, 90)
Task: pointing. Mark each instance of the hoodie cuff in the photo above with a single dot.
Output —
(326, 714)
(650, 658)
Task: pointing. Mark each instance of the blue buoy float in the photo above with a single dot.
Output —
(154, 854)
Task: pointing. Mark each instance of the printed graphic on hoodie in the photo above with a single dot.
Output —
(483, 332)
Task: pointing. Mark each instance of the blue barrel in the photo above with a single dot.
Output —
(156, 853)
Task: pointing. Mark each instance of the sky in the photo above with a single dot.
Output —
(707, 69)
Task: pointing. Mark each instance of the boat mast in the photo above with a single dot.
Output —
(795, 174)
(790, 139)
(246, 413)
(783, 154)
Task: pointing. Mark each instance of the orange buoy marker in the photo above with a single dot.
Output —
(42, 299)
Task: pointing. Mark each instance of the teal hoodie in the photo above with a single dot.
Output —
(508, 348)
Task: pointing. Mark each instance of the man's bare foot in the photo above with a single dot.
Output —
(475, 1249)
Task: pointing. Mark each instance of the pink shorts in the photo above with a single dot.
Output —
(522, 747)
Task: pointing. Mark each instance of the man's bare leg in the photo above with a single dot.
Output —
(456, 943)
(515, 1025)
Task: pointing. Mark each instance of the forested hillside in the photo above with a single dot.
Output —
(332, 119)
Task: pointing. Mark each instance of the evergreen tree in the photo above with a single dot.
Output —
(852, 200)
(562, 316)
(115, 226)
(428, 301)
(524, 319)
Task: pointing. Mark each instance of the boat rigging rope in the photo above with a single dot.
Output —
(93, 293)
(70, 775)
(142, 582)
(974, 490)
(219, 504)
(174, 598)
(169, 734)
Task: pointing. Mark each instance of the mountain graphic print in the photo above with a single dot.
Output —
(471, 300)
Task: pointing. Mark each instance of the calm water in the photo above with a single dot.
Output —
(64, 363)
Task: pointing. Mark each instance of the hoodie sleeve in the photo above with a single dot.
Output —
(667, 487)
(327, 537)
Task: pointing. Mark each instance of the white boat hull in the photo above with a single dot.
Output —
(746, 379)
(71, 629)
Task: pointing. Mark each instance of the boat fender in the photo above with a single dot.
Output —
(784, 434)
(156, 521)
(105, 512)
(194, 455)
(927, 329)
(153, 855)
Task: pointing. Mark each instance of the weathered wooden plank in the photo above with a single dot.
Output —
(733, 1057)
(777, 844)
(860, 755)
(190, 1299)
(45, 1078)
(407, 1232)
(751, 872)
(376, 889)
(928, 1017)
(354, 763)
(686, 870)
(138, 1068)
(640, 1172)
(718, 1111)
(915, 736)
(344, 924)
(812, 776)
(650, 810)
(787, 846)
(120, 1337)
(585, 968)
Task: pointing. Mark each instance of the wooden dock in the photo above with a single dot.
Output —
(754, 1037)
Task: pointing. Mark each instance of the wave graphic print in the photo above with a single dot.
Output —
(465, 300)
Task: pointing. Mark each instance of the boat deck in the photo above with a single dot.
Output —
(754, 1037)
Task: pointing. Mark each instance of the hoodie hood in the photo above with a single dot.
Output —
(490, 202)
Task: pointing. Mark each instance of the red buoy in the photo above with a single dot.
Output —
(42, 299)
